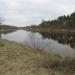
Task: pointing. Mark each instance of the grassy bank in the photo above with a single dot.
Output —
(7, 30)
(17, 59)
(59, 30)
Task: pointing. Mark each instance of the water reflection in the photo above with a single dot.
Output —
(0, 35)
(58, 43)
(6, 32)
(63, 38)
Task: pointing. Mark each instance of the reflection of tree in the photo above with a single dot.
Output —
(0, 35)
(6, 32)
(32, 39)
(64, 38)
(35, 40)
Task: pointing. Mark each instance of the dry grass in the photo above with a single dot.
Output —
(16, 59)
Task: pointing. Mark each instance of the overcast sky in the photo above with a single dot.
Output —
(28, 12)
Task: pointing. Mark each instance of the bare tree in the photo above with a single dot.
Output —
(1, 20)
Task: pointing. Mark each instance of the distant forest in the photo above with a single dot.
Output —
(7, 27)
(61, 22)
(2, 26)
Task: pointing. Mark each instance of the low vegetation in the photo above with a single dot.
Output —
(17, 59)
(7, 28)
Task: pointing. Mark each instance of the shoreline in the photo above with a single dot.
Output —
(7, 30)
(59, 30)
(18, 59)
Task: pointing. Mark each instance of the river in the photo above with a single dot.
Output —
(62, 44)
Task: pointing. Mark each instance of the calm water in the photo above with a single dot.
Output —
(62, 44)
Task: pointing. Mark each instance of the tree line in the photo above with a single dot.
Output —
(61, 22)
(2, 26)
(7, 27)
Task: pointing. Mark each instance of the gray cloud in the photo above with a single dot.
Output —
(27, 12)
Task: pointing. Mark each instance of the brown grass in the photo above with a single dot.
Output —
(16, 59)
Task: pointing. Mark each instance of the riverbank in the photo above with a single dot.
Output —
(17, 59)
(58, 30)
(7, 30)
